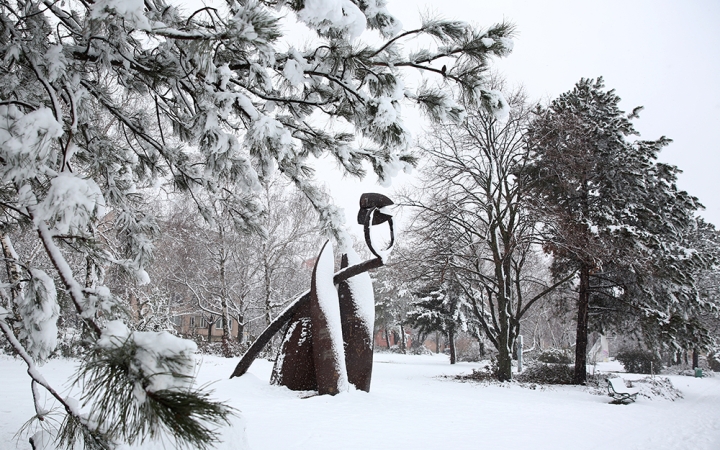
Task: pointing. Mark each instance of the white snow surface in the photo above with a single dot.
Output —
(375, 7)
(499, 104)
(337, 14)
(487, 42)
(361, 288)
(130, 10)
(71, 203)
(412, 405)
(330, 305)
(386, 113)
(295, 67)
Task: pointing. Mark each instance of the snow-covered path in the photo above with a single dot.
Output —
(411, 406)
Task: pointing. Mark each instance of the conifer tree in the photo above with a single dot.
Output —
(102, 101)
(612, 213)
(440, 309)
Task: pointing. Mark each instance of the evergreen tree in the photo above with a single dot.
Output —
(392, 299)
(101, 102)
(611, 212)
(439, 309)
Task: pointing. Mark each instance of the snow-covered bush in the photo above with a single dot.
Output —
(656, 387)
(555, 356)
(637, 360)
(543, 373)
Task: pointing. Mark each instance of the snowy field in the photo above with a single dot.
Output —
(411, 405)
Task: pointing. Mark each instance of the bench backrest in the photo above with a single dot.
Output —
(618, 385)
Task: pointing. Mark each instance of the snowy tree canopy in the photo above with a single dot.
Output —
(614, 214)
(122, 93)
(101, 102)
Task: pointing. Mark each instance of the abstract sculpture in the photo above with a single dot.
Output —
(328, 342)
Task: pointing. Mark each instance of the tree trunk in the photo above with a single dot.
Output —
(403, 344)
(451, 339)
(504, 307)
(387, 338)
(241, 328)
(504, 341)
(581, 337)
(437, 342)
(226, 323)
(696, 359)
(211, 320)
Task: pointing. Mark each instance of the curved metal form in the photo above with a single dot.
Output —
(371, 213)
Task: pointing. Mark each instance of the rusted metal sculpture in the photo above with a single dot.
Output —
(357, 330)
(328, 341)
(328, 347)
(295, 367)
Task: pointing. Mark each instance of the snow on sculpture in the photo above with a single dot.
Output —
(357, 315)
(328, 342)
(328, 348)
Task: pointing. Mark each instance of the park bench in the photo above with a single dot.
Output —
(619, 392)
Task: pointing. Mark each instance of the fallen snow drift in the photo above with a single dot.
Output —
(411, 405)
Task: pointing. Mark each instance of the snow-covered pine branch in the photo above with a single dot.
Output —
(103, 102)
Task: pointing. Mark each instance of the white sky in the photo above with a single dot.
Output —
(661, 54)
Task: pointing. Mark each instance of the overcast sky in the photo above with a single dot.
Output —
(664, 55)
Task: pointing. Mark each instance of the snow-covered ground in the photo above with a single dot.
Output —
(411, 405)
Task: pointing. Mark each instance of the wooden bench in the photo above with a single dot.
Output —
(619, 392)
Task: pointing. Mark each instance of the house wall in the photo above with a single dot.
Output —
(196, 325)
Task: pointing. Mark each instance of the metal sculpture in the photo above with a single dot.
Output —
(328, 342)
(373, 211)
(357, 330)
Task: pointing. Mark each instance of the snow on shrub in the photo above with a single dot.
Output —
(656, 387)
(555, 356)
(25, 142)
(543, 373)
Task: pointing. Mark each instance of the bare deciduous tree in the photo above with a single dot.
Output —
(472, 223)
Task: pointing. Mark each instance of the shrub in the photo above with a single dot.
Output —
(419, 350)
(555, 356)
(543, 373)
(487, 373)
(638, 360)
(713, 359)
(233, 349)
